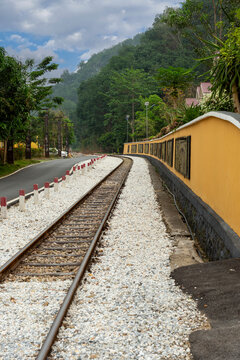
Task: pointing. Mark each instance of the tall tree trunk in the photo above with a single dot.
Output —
(235, 97)
(46, 136)
(5, 152)
(215, 17)
(220, 20)
(133, 119)
(67, 139)
(28, 151)
(59, 137)
(10, 157)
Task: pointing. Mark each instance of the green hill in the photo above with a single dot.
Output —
(70, 81)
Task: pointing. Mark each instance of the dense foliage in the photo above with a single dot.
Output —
(116, 91)
(25, 92)
(159, 65)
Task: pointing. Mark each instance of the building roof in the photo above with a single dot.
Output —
(191, 101)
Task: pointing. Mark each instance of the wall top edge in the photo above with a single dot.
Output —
(233, 118)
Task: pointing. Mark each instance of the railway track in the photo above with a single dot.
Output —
(65, 248)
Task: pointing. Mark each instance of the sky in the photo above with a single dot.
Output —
(72, 30)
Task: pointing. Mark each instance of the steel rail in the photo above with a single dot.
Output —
(44, 351)
(15, 259)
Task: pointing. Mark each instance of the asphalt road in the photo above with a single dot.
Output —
(36, 174)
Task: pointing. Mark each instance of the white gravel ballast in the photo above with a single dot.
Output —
(22, 226)
(129, 307)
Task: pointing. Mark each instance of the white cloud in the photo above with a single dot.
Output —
(17, 38)
(85, 26)
(37, 55)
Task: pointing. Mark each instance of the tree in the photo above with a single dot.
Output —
(222, 57)
(225, 72)
(40, 89)
(174, 82)
(124, 94)
(15, 97)
(200, 20)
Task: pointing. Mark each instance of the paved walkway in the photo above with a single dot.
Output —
(36, 174)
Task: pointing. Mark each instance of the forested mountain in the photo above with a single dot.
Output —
(71, 81)
(116, 84)
(102, 106)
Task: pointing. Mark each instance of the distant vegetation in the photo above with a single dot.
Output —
(85, 70)
(159, 68)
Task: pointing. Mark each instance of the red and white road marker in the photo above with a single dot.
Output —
(55, 184)
(74, 172)
(46, 190)
(35, 194)
(63, 180)
(21, 200)
(82, 168)
(3, 207)
(67, 175)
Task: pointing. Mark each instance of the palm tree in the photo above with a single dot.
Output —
(225, 72)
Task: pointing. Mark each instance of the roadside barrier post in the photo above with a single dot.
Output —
(67, 176)
(46, 190)
(21, 200)
(55, 184)
(74, 172)
(35, 194)
(3, 207)
(63, 180)
(79, 169)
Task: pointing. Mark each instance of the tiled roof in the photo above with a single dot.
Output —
(191, 101)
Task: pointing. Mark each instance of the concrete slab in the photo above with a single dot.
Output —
(216, 287)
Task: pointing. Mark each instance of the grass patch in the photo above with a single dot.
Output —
(18, 164)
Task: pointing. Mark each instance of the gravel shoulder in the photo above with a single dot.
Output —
(184, 250)
(129, 306)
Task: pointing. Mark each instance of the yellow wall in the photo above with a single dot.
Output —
(33, 145)
(215, 165)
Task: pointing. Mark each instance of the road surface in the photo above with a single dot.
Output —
(36, 174)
